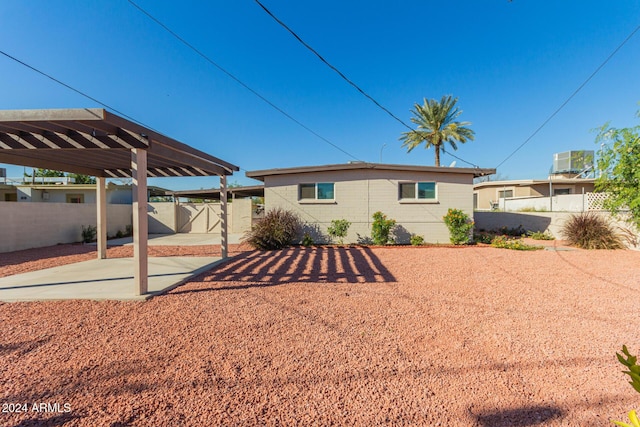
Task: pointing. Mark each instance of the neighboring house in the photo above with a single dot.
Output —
(417, 197)
(71, 193)
(488, 195)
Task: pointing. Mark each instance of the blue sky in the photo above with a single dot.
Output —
(511, 64)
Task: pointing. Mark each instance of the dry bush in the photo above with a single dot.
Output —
(278, 229)
(591, 231)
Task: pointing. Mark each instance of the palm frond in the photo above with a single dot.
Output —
(436, 124)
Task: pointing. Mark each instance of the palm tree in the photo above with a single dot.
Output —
(436, 125)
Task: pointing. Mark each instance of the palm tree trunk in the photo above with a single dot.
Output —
(437, 155)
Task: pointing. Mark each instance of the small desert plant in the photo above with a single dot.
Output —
(511, 231)
(307, 240)
(540, 235)
(633, 370)
(278, 229)
(587, 230)
(381, 228)
(483, 237)
(119, 234)
(416, 240)
(89, 233)
(128, 230)
(339, 228)
(515, 244)
(459, 225)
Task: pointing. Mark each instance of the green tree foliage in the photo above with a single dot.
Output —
(437, 125)
(619, 163)
(50, 173)
(47, 173)
(82, 179)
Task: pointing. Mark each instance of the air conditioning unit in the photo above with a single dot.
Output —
(572, 161)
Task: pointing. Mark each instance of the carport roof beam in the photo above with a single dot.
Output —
(93, 141)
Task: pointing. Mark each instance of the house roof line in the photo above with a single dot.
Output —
(260, 174)
(523, 182)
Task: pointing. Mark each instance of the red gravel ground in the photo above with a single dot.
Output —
(471, 336)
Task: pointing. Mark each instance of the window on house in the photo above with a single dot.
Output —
(505, 193)
(75, 198)
(561, 191)
(418, 190)
(317, 191)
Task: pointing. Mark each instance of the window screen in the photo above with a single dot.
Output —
(307, 191)
(408, 190)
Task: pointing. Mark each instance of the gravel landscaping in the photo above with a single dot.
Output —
(472, 336)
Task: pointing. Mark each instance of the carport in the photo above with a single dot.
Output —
(95, 142)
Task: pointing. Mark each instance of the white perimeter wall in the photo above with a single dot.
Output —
(34, 225)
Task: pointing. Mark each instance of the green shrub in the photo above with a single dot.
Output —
(539, 235)
(516, 244)
(307, 240)
(590, 231)
(381, 229)
(483, 237)
(416, 240)
(89, 233)
(278, 229)
(119, 234)
(633, 370)
(339, 228)
(459, 225)
(513, 231)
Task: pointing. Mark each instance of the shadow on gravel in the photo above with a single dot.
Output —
(57, 420)
(299, 265)
(24, 347)
(519, 417)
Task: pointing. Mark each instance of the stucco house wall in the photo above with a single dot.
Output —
(487, 192)
(361, 192)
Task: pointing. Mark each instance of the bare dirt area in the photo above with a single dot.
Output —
(472, 336)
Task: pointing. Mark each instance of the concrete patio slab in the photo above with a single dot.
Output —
(107, 279)
(180, 239)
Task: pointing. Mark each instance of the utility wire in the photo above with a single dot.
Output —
(345, 78)
(73, 89)
(571, 96)
(240, 82)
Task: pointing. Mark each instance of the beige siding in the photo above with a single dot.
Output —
(360, 193)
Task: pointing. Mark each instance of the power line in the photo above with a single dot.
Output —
(73, 89)
(345, 78)
(570, 97)
(240, 82)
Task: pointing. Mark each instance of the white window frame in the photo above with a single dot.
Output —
(315, 199)
(415, 199)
